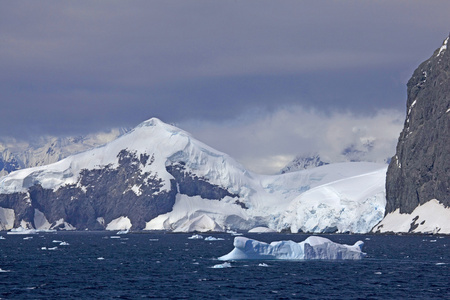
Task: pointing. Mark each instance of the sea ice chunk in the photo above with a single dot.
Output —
(313, 247)
(211, 238)
(222, 266)
(196, 237)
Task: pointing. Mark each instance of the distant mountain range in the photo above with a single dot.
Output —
(15, 155)
(349, 154)
(158, 177)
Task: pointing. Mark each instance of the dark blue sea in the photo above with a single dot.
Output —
(170, 266)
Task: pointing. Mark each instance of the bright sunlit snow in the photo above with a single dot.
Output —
(121, 223)
(343, 197)
(430, 217)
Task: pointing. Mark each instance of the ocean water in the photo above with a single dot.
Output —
(101, 265)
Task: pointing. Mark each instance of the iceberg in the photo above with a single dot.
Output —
(211, 238)
(196, 237)
(314, 247)
(222, 266)
(21, 230)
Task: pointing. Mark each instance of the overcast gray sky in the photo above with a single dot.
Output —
(260, 80)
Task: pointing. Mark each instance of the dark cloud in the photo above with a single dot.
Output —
(79, 66)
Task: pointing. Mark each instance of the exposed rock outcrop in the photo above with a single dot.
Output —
(420, 169)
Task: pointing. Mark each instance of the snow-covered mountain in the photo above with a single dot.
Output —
(15, 155)
(303, 162)
(159, 177)
(351, 153)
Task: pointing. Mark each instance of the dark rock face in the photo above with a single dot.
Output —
(420, 170)
(110, 193)
(192, 185)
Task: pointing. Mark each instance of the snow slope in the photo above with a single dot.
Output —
(344, 197)
(431, 217)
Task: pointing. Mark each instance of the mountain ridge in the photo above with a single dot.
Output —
(142, 178)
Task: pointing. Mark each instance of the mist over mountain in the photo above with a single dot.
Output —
(158, 177)
(20, 154)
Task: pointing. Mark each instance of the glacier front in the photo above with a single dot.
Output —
(314, 247)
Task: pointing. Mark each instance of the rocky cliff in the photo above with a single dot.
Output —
(420, 169)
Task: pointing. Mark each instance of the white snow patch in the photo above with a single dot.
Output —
(7, 217)
(40, 221)
(261, 230)
(101, 221)
(431, 217)
(443, 47)
(137, 190)
(121, 223)
(66, 226)
(189, 210)
(202, 223)
(313, 247)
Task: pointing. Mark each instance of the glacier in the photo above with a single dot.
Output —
(202, 189)
(314, 247)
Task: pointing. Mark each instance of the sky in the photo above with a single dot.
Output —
(263, 81)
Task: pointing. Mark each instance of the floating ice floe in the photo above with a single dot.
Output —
(196, 237)
(51, 249)
(211, 238)
(232, 232)
(21, 230)
(64, 244)
(3, 271)
(123, 232)
(313, 247)
(222, 266)
(2, 237)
